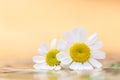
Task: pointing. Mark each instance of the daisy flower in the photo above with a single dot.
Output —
(81, 54)
(47, 59)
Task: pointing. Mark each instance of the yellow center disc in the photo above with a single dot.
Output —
(51, 59)
(80, 52)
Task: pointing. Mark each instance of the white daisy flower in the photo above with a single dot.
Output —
(81, 54)
(47, 59)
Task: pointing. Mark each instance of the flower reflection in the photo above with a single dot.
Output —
(70, 75)
(89, 75)
(97, 75)
(52, 76)
(48, 75)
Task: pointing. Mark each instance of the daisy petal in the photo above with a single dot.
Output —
(41, 67)
(79, 34)
(87, 66)
(80, 66)
(64, 58)
(76, 66)
(82, 35)
(52, 67)
(37, 66)
(62, 45)
(53, 43)
(96, 46)
(57, 68)
(92, 39)
(95, 63)
(76, 33)
(43, 49)
(98, 54)
(61, 56)
(66, 61)
(38, 59)
(73, 66)
(69, 37)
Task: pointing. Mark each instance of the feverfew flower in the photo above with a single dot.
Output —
(81, 54)
(47, 59)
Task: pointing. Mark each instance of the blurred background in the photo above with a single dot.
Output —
(24, 24)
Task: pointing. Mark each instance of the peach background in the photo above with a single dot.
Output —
(24, 24)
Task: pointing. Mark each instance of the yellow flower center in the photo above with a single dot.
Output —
(51, 59)
(80, 52)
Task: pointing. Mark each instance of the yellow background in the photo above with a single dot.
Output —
(24, 24)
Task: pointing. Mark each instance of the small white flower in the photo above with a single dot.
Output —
(81, 54)
(47, 59)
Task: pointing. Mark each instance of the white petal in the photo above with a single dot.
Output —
(69, 37)
(79, 34)
(38, 59)
(57, 68)
(41, 67)
(76, 33)
(87, 66)
(37, 66)
(66, 61)
(45, 67)
(62, 45)
(52, 67)
(76, 66)
(80, 66)
(82, 34)
(61, 56)
(53, 43)
(43, 49)
(64, 58)
(40, 51)
(95, 63)
(92, 39)
(73, 66)
(98, 54)
(96, 46)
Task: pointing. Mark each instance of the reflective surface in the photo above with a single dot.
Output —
(110, 72)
